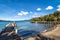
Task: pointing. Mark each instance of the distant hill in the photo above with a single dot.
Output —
(55, 16)
(4, 20)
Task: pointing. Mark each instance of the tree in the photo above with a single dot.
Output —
(56, 14)
(58, 19)
(51, 17)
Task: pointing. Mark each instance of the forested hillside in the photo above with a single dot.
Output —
(55, 16)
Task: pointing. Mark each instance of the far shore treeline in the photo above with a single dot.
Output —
(55, 16)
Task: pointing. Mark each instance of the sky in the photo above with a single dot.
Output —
(27, 9)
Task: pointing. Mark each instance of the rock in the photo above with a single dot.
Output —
(33, 38)
(8, 33)
(39, 37)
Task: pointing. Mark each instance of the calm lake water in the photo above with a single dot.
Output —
(25, 27)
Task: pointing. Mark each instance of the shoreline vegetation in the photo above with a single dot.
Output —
(53, 17)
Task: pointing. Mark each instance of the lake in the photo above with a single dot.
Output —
(25, 27)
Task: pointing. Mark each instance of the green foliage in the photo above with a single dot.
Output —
(58, 19)
(51, 17)
(56, 14)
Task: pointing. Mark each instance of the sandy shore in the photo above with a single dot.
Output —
(54, 33)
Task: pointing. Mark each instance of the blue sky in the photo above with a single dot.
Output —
(27, 9)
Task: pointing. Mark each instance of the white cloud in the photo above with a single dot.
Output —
(38, 9)
(35, 15)
(58, 8)
(22, 13)
(49, 8)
